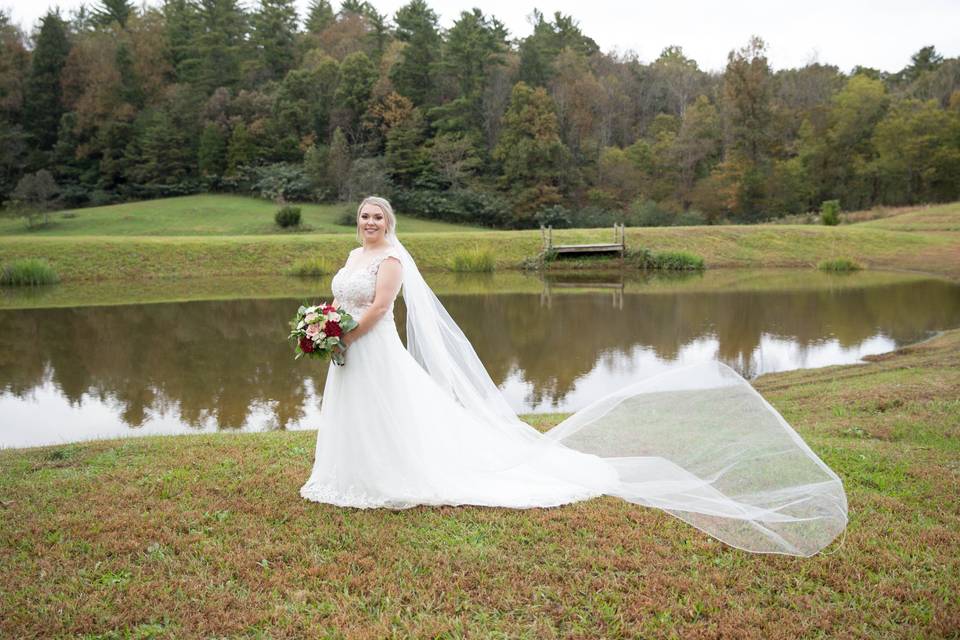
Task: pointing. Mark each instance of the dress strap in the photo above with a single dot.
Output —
(390, 253)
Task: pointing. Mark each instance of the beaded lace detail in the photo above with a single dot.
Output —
(355, 288)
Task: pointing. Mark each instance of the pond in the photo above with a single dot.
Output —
(71, 372)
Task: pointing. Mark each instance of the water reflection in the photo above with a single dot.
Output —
(74, 373)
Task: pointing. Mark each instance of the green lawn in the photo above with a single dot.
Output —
(925, 244)
(206, 536)
(199, 215)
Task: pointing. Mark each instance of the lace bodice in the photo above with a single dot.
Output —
(355, 287)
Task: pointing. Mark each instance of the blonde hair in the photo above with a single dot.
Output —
(384, 205)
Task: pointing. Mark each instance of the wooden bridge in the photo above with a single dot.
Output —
(617, 246)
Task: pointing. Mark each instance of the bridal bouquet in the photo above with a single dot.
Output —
(317, 331)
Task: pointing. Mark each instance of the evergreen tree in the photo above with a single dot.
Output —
(106, 12)
(240, 151)
(352, 97)
(406, 157)
(474, 46)
(413, 76)
(212, 153)
(319, 16)
(533, 160)
(539, 49)
(218, 46)
(130, 90)
(43, 100)
(182, 21)
(273, 37)
(339, 162)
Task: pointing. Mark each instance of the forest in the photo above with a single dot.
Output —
(470, 124)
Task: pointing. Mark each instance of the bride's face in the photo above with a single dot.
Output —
(372, 224)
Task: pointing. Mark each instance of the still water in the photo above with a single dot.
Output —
(74, 372)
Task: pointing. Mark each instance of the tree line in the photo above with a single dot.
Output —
(466, 124)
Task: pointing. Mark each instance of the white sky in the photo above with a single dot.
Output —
(875, 33)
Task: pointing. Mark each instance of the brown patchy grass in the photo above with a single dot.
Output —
(206, 535)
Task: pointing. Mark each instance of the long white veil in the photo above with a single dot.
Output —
(698, 442)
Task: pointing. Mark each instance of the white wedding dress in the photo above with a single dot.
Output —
(400, 428)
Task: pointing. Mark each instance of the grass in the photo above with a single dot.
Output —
(839, 265)
(200, 215)
(28, 272)
(168, 247)
(473, 260)
(309, 268)
(664, 260)
(206, 535)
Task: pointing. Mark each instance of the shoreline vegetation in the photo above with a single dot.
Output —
(205, 535)
(925, 239)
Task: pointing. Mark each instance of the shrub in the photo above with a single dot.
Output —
(347, 217)
(690, 218)
(287, 217)
(311, 267)
(461, 205)
(29, 272)
(678, 261)
(283, 181)
(556, 216)
(647, 213)
(666, 260)
(842, 265)
(473, 260)
(830, 212)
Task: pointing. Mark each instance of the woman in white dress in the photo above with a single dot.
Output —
(425, 425)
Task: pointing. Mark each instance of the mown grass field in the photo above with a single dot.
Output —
(206, 536)
(876, 244)
(200, 215)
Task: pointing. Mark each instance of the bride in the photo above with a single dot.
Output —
(425, 425)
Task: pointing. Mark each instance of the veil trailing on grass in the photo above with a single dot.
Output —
(698, 442)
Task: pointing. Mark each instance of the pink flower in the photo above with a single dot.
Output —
(311, 317)
(313, 330)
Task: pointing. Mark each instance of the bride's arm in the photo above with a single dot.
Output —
(389, 280)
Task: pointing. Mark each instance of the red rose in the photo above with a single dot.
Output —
(306, 344)
(328, 308)
(332, 328)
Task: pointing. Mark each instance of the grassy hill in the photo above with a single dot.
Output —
(920, 239)
(201, 215)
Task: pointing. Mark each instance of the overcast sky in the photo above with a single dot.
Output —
(875, 33)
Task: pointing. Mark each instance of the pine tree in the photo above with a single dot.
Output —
(319, 16)
(532, 157)
(212, 153)
(241, 150)
(406, 157)
(357, 77)
(43, 100)
(273, 36)
(413, 75)
(339, 162)
(219, 44)
(106, 12)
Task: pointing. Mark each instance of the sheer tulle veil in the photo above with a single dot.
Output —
(698, 442)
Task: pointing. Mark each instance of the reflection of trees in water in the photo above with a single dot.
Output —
(554, 346)
(220, 360)
(208, 359)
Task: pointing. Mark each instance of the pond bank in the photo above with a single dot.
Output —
(133, 259)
